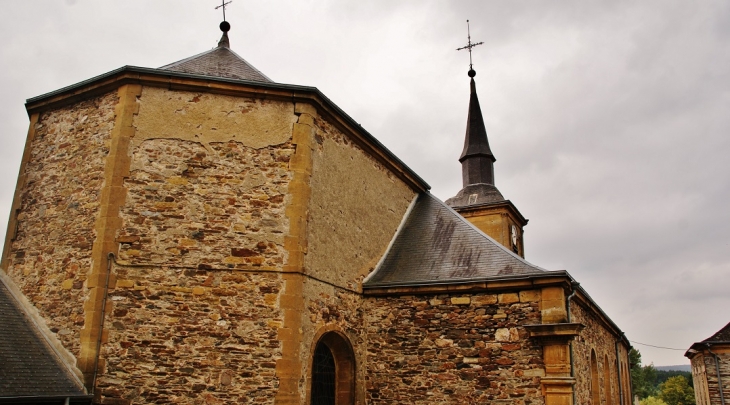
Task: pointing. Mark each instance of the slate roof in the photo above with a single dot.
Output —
(29, 368)
(435, 245)
(219, 62)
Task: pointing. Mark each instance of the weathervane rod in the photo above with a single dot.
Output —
(469, 44)
(224, 3)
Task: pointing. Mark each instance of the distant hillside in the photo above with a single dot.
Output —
(680, 367)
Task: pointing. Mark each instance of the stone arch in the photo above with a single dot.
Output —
(332, 370)
(595, 386)
(607, 380)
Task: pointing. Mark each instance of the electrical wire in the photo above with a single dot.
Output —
(657, 347)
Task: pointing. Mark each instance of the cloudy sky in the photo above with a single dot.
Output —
(610, 121)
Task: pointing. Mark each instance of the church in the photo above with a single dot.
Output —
(200, 234)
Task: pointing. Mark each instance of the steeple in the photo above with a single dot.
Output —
(479, 201)
(477, 159)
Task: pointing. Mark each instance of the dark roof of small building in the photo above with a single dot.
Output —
(219, 62)
(722, 335)
(29, 367)
(436, 245)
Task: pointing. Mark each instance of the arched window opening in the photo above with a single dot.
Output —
(595, 387)
(323, 376)
(333, 371)
(607, 380)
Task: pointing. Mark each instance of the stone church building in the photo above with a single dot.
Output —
(200, 234)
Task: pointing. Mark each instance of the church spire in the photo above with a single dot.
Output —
(477, 159)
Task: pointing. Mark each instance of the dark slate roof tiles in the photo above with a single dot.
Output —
(435, 245)
(28, 365)
(218, 62)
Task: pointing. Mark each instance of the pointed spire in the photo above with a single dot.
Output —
(477, 158)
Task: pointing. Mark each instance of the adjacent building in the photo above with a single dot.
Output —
(710, 361)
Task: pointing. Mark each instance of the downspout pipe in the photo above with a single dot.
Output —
(717, 368)
(618, 370)
(574, 285)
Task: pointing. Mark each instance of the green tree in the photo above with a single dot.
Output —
(652, 401)
(676, 391)
(643, 378)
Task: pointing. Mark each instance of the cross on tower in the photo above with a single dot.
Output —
(224, 3)
(469, 46)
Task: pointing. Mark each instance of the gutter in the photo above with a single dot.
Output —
(618, 369)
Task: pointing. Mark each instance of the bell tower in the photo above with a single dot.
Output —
(479, 201)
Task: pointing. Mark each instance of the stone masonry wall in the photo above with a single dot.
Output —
(195, 313)
(355, 209)
(185, 336)
(51, 254)
(596, 337)
(331, 308)
(449, 349)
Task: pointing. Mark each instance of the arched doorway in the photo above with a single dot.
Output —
(333, 371)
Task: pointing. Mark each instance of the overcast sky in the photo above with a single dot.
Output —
(610, 121)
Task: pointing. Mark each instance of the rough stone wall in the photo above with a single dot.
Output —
(50, 257)
(453, 349)
(194, 314)
(355, 209)
(330, 308)
(188, 336)
(596, 337)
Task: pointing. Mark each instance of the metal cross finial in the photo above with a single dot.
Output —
(224, 3)
(469, 46)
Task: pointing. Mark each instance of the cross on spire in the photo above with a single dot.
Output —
(224, 3)
(469, 45)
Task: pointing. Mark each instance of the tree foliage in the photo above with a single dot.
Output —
(652, 401)
(643, 379)
(676, 391)
(671, 387)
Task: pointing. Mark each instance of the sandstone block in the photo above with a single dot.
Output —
(460, 300)
(509, 298)
(529, 295)
(484, 299)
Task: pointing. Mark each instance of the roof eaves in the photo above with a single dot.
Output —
(265, 85)
(474, 280)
